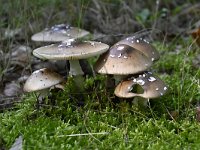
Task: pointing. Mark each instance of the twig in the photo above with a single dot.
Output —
(83, 134)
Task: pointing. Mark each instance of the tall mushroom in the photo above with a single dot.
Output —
(122, 60)
(71, 50)
(59, 33)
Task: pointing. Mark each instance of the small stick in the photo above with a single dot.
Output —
(70, 135)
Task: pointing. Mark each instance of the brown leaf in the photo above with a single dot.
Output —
(174, 114)
(196, 35)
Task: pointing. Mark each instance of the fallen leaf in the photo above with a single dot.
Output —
(174, 114)
(196, 35)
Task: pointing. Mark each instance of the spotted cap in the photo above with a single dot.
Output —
(58, 33)
(71, 50)
(122, 60)
(42, 79)
(152, 86)
(142, 45)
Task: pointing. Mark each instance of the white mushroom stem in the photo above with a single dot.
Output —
(75, 68)
(76, 71)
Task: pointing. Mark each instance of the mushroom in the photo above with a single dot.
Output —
(71, 50)
(42, 80)
(142, 45)
(122, 60)
(152, 87)
(58, 33)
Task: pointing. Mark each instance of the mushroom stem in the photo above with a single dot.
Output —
(76, 71)
(75, 68)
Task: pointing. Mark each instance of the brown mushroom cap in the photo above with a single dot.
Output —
(71, 50)
(122, 60)
(59, 33)
(142, 45)
(42, 79)
(153, 86)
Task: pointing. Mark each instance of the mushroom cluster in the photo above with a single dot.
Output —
(129, 61)
(60, 33)
(69, 48)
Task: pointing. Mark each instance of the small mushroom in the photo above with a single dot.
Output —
(142, 45)
(152, 86)
(58, 33)
(42, 80)
(122, 60)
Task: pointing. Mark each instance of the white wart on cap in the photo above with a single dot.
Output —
(58, 33)
(71, 50)
(42, 79)
(122, 60)
(152, 86)
(142, 45)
